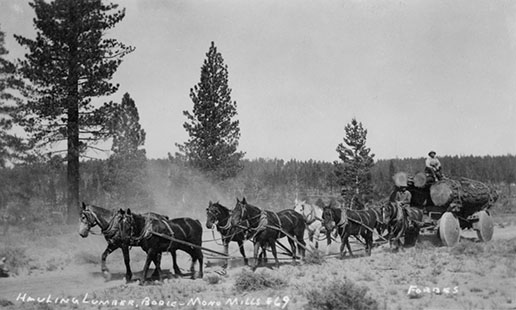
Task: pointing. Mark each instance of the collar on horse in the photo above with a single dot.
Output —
(343, 217)
(312, 217)
(263, 223)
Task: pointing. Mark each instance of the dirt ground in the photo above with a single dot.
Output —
(62, 270)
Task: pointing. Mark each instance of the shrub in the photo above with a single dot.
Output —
(254, 281)
(84, 257)
(212, 279)
(15, 259)
(467, 248)
(341, 294)
(314, 257)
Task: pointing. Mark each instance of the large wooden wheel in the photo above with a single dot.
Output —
(484, 226)
(449, 229)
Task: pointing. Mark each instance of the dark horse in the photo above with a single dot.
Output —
(403, 222)
(218, 215)
(108, 221)
(265, 227)
(152, 235)
(351, 222)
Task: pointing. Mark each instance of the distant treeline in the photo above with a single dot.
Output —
(172, 188)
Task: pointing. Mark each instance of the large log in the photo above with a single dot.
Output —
(466, 193)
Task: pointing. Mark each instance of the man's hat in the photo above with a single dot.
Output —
(431, 152)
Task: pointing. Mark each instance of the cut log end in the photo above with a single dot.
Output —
(441, 193)
(420, 180)
(400, 179)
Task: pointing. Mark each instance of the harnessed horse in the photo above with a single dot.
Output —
(267, 226)
(351, 222)
(157, 235)
(108, 222)
(396, 218)
(312, 214)
(413, 221)
(218, 215)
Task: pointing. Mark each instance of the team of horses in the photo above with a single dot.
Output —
(156, 233)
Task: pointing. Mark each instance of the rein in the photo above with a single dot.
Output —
(96, 222)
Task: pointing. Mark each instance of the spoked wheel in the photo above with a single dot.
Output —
(484, 226)
(449, 229)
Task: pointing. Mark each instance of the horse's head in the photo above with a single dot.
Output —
(212, 215)
(328, 218)
(238, 215)
(88, 219)
(299, 206)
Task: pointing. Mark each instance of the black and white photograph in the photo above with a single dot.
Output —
(231, 154)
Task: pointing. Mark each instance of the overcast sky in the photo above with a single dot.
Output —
(420, 75)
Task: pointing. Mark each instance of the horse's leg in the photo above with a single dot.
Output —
(293, 249)
(105, 271)
(200, 259)
(196, 257)
(302, 246)
(317, 233)
(177, 271)
(242, 251)
(127, 262)
(263, 255)
(157, 264)
(342, 247)
(150, 254)
(348, 245)
(272, 243)
(368, 237)
(256, 249)
(328, 242)
(311, 234)
(226, 251)
(157, 273)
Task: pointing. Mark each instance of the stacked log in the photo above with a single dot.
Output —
(420, 180)
(467, 193)
(400, 179)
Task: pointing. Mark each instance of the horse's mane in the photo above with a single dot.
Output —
(218, 205)
(105, 213)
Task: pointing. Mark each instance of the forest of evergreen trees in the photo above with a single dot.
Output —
(171, 188)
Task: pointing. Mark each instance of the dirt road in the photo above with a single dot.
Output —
(77, 280)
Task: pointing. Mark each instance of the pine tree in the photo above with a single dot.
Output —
(68, 63)
(214, 133)
(354, 170)
(127, 165)
(11, 146)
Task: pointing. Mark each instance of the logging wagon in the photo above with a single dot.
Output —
(450, 205)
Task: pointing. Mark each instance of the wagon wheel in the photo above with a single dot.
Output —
(484, 226)
(449, 229)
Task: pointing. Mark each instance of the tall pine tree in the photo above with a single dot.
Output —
(354, 171)
(214, 133)
(126, 180)
(11, 146)
(69, 62)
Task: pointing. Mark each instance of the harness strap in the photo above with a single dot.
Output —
(227, 226)
(171, 233)
(343, 218)
(279, 220)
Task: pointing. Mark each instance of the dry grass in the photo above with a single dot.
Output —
(247, 281)
(483, 273)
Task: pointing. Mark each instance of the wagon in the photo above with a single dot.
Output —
(450, 205)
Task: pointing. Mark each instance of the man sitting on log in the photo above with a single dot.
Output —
(433, 166)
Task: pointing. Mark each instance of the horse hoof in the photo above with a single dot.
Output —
(107, 275)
